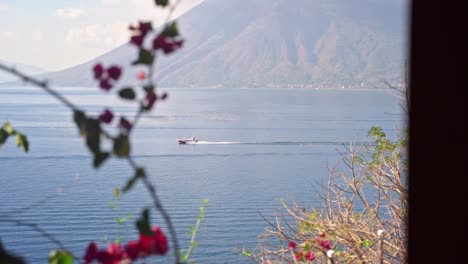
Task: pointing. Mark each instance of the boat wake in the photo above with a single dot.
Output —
(215, 142)
(319, 143)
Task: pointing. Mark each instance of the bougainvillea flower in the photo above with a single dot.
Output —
(141, 75)
(105, 84)
(166, 44)
(132, 249)
(91, 252)
(106, 116)
(114, 72)
(140, 32)
(155, 243)
(326, 244)
(137, 40)
(98, 70)
(124, 123)
(292, 245)
(107, 77)
(150, 100)
(310, 256)
(299, 255)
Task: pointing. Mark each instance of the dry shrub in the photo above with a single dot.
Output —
(363, 217)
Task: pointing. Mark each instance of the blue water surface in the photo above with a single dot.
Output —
(256, 146)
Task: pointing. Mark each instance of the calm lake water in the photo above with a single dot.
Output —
(258, 146)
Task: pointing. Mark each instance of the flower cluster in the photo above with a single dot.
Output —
(139, 33)
(167, 41)
(326, 244)
(154, 244)
(106, 77)
(301, 254)
(167, 44)
(151, 98)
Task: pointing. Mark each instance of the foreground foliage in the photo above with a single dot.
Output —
(363, 215)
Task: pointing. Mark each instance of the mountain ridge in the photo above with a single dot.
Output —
(243, 43)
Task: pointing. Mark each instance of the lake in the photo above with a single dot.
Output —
(259, 145)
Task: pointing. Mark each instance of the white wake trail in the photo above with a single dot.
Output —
(214, 142)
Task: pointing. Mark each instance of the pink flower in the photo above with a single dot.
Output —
(154, 244)
(299, 255)
(141, 76)
(292, 245)
(107, 77)
(150, 100)
(105, 84)
(140, 33)
(106, 116)
(137, 40)
(98, 71)
(114, 72)
(133, 249)
(326, 244)
(167, 45)
(310, 256)
(91, 252)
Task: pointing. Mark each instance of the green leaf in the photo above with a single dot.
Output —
(80, 120)
(60, 257)
(171, 30)
(366, 243)
(121, 220)
(122, 146)
(127, 93)
(22, 142)
(149, 89)
(140, 172)
(100, 158)
(143, 223)
(162, 3)
(8, 128)
(246, 253)
(3, 135)
(93, 135)
(144, 57)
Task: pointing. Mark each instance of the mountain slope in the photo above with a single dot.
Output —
(28, 69)
(275, 43)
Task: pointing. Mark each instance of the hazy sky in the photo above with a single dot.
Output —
(56, 34)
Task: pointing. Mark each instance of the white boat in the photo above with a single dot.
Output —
(191, 140)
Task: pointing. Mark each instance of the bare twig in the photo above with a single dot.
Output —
(42, 84)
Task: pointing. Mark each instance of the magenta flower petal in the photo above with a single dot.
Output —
(310, 256)
(105, 84)
(106, 116)
(91, 252)
(114, 72)
(292, 245)
(98, 70)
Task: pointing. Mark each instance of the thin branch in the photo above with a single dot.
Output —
(41, 231)
(157, 203)
(42, 84)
